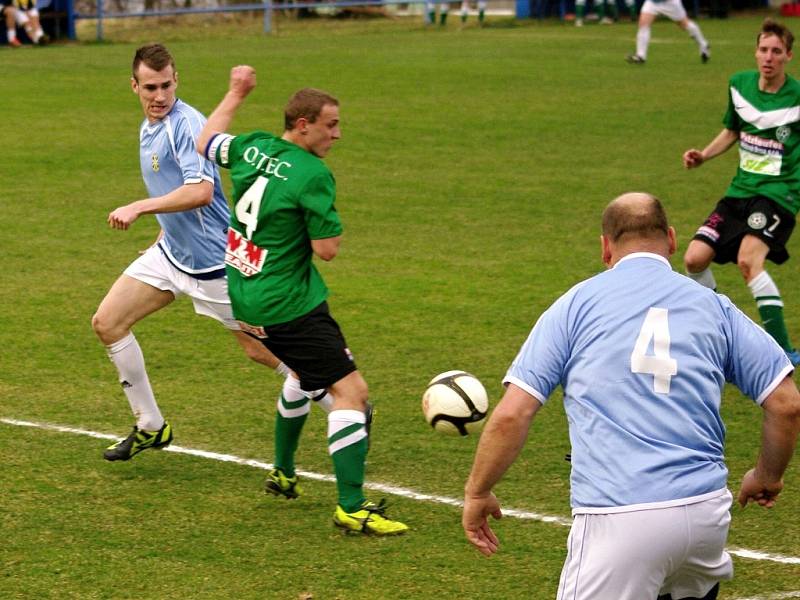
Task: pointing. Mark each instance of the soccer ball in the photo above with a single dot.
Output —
(455, 402)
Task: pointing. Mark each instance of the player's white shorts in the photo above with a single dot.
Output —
(679, 550)
(209, 296)
(22, 17)
(672, 9)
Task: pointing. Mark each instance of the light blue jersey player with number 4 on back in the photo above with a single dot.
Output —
(642, 354)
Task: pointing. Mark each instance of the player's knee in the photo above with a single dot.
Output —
(360, 392)
(746, 267)
(693, 262)
(104, 328)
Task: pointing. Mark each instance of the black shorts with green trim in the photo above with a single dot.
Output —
(733, 218)
(313, 347)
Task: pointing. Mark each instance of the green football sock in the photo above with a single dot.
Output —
(772, 320)
(287, 432)
(347, 444)
(443, 18)
(481, 14)
(432, 16)
(770, 307)
(600, 7)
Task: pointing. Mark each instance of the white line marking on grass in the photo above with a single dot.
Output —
(776, 596)
(390, 489)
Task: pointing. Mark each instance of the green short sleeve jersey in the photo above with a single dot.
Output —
(769, 140)
(283, 198)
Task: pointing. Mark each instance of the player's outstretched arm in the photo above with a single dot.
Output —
(779, 431)
(499, 446)
(186, 197)
(725, 139)
(242, 82)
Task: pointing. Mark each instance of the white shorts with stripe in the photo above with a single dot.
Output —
(677, 550)
(209, 296)
(672, 9)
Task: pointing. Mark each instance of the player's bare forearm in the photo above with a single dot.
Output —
(779, 432)
(720, 144)
(186, 197)
(499, 446)
(326, 248)
(242, 82)
(693, 158)
(501, 440)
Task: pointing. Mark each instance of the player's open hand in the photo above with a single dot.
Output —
(122, 217)
(692, 158)
(755, 490)
(476, 525)
(243, 80)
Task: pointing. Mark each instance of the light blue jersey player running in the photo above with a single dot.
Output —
(186, 197)
(642, 354)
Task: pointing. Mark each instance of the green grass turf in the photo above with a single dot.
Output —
(472, 171)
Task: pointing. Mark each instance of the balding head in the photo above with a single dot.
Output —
(635, 222)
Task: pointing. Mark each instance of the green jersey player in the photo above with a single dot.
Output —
(284, 214)
(754, 220)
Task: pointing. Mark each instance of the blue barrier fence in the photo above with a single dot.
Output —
(267, 7)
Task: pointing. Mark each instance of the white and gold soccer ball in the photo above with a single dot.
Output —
(455, 402)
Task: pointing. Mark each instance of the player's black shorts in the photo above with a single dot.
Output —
(313, 347)
(733, 218)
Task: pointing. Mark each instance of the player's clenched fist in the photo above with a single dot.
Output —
(692, 158)
(243, 80)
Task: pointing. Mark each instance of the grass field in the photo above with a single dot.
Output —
(471, 174)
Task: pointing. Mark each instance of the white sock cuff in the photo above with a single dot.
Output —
(293, 413)
(762, 285)
(120, 345)
(293, 403)
(292, 391)
(704, 278)
(339, 419)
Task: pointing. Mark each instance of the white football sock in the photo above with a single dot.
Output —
(697, 35)
(642, 41)
(765, 291)
(128, 358)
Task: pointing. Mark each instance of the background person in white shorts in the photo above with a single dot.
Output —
(642, 353)
(673, 10)
(27, 16)
(186, 196)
